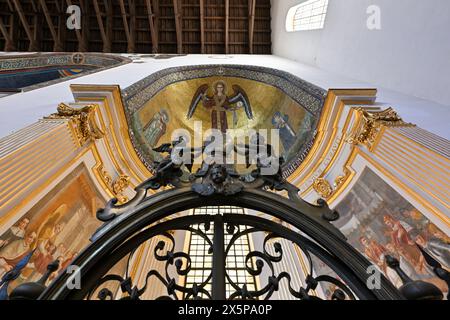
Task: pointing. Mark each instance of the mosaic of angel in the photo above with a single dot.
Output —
(220, 103)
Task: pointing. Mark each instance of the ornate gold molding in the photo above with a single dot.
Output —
(82, 122)
(326, 190)
(369, 128)
(340, 180)
(331, 135)
(323, 188)
(104, 175)
(117, 186)
(88, 94)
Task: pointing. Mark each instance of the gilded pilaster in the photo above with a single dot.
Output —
(28, 157)
(424, 165)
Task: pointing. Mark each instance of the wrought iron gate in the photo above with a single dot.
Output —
(145, 217)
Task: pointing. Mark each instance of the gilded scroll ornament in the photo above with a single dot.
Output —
(117, 186)
(323, 188)
(104, 175)
(82, 121)
(326, 190)
(368, 129)
(340, 180)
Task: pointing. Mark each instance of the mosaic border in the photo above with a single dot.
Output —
(100, 62)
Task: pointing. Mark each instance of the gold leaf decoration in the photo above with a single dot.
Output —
(82, 121)
(368, 130)
(323, 188)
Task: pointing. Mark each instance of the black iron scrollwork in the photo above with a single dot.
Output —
(181, 265)
(256, 260)
(438, 270)
(179, 262)
(167, 172)
(214, 178)
(417, 289)
(32, 290)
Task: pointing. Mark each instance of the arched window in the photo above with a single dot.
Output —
(309, 15)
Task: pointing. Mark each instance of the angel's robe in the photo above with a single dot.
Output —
(219, 105)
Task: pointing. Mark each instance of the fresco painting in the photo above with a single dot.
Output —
(58, 227)
(378, 221)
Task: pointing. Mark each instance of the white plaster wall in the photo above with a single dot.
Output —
(410, 54)
(409, 57)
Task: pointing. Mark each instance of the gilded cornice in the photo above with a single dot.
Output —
(82, 121)
(366, 126)
(328, 134)
(112, 116)
(84, 129)
(319, 173)
(370, 126)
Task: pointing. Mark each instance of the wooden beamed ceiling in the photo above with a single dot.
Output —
(138, 26)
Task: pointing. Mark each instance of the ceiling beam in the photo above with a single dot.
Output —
(56, 41)
(178, 26)
(9, 45)
(151, 22)
(37, 32)
(58, 7)
(35, 7)
(202, 26)
(11, 6)
(14, 24)
(209, 31)
(109, 23)
(157, 13)
(106, 4)
(132, 8)
(62, 24)
(251, 24)
(85, 24)
(33, 46)
(125, 22)
(101, 26)
(227, 26)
